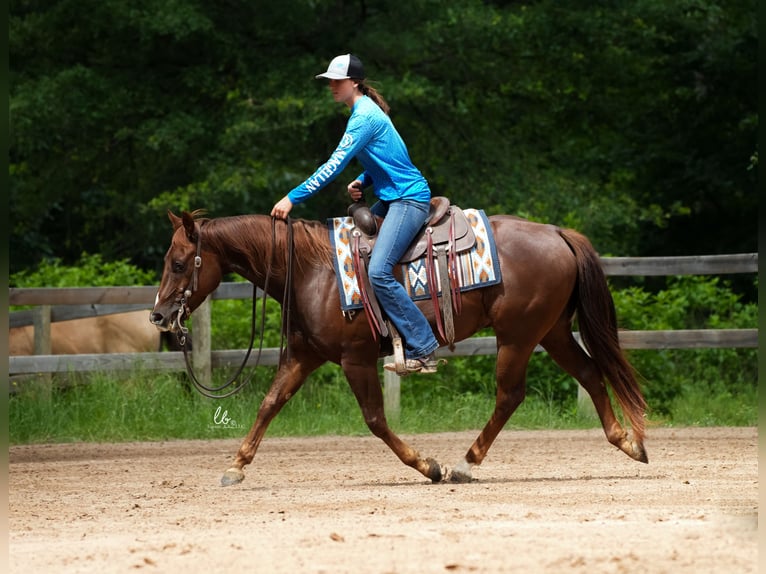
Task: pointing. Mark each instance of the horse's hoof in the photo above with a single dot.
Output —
(232, 476)
(634, 448)
(460, 477)
(434, 470)
(639, 453)
(461, 473)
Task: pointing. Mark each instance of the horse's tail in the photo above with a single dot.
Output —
(598, 328)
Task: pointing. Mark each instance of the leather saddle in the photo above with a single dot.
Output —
(441, 215)
(446, 233)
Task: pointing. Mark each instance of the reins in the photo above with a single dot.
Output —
(217, 392)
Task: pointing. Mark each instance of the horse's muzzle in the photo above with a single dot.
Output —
(159, 321)
(172, 322)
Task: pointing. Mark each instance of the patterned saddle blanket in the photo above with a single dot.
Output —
(477, 267)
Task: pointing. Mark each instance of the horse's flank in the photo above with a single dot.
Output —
(119, 333)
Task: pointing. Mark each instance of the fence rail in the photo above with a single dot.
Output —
(688, 339)
(681, 265)
(79, 302)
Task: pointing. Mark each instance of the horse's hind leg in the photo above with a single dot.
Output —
(510, 373)
(564, 349)
(365, 384)
(289, 378)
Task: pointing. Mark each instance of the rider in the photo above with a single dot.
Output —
(403, 199)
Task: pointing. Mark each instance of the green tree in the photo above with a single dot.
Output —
(632, 121)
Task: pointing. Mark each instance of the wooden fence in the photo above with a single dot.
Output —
(55, 304)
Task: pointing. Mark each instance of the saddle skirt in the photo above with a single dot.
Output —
(477, 262)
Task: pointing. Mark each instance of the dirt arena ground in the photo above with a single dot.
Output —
(550, 501)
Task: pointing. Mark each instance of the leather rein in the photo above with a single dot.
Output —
(220, 392)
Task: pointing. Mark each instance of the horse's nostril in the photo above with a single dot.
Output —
(156, 318)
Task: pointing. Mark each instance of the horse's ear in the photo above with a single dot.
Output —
(188, 221)
(174, 219)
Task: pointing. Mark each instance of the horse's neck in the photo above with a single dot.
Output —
(246, 246)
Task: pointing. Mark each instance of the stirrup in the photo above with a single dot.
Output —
(423, 365)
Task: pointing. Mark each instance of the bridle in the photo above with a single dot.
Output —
(184, 310)
(187, 293)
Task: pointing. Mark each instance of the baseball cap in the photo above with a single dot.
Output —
(343, 67)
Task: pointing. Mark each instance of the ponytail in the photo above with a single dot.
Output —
(374, 95)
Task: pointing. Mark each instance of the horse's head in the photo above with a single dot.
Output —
(189, 274)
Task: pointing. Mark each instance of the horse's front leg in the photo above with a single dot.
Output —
(365, 384)
(289, 378)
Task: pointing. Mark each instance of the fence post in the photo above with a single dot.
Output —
(391, 393)
(201, 347)
(41, 323)
(42, 329)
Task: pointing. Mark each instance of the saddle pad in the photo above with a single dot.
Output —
(477, 267)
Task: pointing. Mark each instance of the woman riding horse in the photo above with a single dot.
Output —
(403, 198)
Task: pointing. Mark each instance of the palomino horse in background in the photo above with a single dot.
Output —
(548, 275)
(118, 333)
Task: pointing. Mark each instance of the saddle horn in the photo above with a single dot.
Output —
(363, 217)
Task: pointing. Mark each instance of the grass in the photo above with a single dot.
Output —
(142, 406)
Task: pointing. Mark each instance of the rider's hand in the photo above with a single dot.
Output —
(282, 208)
(355, 190)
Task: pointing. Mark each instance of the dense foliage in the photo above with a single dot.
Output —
(89, 270)
(634, 122)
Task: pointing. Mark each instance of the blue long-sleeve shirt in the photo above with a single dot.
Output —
(372, 138)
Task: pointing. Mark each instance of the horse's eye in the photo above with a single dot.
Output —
(178, 266)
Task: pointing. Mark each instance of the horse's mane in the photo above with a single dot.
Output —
(311, 241)
(251, 235)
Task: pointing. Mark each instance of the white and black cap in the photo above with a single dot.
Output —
(344, 67)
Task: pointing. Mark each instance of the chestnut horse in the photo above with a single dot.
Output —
(548, 275)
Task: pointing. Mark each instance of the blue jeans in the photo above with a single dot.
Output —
(403, 220)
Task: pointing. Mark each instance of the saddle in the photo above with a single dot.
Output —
(446, 233)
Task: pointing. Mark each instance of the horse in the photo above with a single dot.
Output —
(549, 275)
(128, 332)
